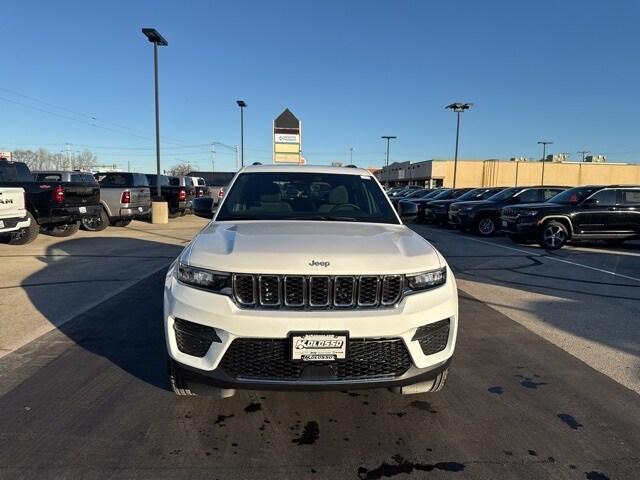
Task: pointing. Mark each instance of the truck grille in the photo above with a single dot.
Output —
(317, 292)
(270, 359)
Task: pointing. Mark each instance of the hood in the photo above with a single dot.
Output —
(444, 203)
(537, 206)
(475, 203)
(310, 248)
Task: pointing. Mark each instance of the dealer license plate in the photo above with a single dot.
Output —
(318, 347)
(82, 209)
(505, 224)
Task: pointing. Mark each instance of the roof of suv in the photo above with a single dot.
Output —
(306, 169)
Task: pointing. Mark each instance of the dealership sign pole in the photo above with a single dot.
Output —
(287, 139)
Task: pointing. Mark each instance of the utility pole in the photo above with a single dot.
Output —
(544, 155)
(351, 155)
(213, 158)
(583, 153)
(388, 138)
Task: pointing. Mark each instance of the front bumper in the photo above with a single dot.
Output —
(461, 219)
(523, 226)
(232, 323)
(13, 224)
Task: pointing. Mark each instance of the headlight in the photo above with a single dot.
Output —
(467, 209)
(218, 282)
(528, 213)
(427, 280)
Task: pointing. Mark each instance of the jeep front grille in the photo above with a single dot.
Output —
(317, 292)
(509, 212)
(270, 359)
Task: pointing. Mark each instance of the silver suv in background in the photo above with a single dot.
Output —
(123, 197)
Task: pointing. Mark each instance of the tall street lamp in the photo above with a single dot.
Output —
(544, 144)
(242, 104)
(388, 138)
(351, 149)
(158, 41)
(458, 108)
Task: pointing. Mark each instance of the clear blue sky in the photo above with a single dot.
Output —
(565, 71)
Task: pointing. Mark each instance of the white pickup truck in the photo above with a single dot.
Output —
(14, 219)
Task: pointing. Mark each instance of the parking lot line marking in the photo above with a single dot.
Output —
(531, 253)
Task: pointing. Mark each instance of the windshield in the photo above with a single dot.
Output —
(505, 194)
(416, 194)
(306, 196)
(573, 195)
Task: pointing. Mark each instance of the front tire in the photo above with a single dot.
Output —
(96, 223)
(177, 381)
(25, 235)
(485, 226)
(553, 235)
(61, 231)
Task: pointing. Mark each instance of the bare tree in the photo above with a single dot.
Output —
(42, 159)
(182, 168)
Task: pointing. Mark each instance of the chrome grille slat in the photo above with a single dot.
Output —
(317, 291)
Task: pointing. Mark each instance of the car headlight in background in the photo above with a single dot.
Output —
(218, 282)
(426, 280)
(467, 209)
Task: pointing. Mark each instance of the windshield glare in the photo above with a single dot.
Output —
(306, 196)
(573, 195)
(504, 194)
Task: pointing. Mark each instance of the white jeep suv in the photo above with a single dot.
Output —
(307, 279)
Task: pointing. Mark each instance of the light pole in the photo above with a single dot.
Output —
(388, 138)
(242, 104)
(351, 149)
(544, 144)
(458, 108)
(158, 40)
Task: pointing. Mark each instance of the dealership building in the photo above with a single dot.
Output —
(494, 172)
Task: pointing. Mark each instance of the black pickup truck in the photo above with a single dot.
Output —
(610, 213)
(55, 208)
(174, 195)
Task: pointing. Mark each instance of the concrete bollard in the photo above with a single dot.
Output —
(159, 212)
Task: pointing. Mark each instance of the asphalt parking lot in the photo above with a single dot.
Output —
(544, 382)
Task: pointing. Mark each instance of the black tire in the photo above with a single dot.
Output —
(518, 238)
(96, 223)
(440, 380)
(485, 226)
(123, 222)
(25, 235)
(64, 230)
(183, 213)
(553, 235)
(173, 214)
(177, 381)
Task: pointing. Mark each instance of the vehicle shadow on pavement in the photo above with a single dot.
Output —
(125, 328)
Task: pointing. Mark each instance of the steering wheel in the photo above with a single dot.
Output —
(345, 206)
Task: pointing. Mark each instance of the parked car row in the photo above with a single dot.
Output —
(548, 215)
(60, 202)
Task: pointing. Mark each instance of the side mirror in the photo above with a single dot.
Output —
(203, 207)
(407, 211)
(590, 202)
